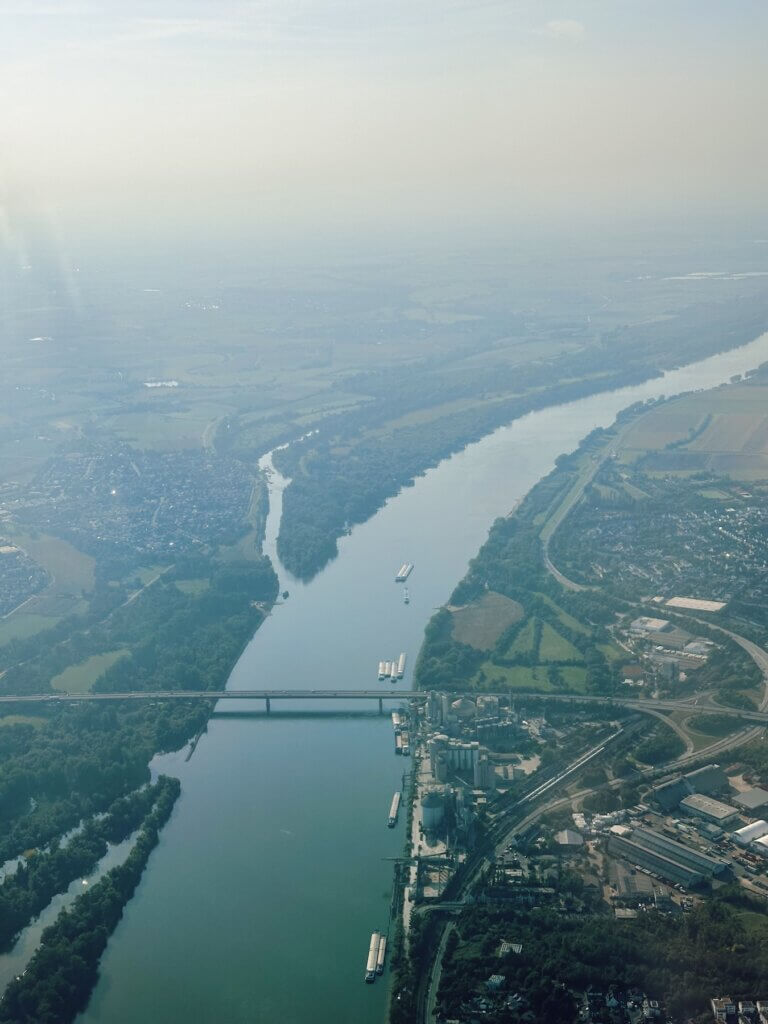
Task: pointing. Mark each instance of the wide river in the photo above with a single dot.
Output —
(275, 867)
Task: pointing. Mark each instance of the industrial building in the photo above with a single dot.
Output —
(666, 857)
(483, 773)
(669, 794)
(643, 857)
(678, 851)
(569, 838)
(708, 780)
(700, 806)
(748, 833)
(754, 799)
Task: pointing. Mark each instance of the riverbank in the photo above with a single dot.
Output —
(252, 854)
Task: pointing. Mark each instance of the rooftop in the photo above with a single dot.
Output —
(706, 805)
(695, 604)
(751, 799)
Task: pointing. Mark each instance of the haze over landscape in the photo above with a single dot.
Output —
(383, 512)
(339, 117)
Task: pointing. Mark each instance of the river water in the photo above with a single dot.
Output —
(273, 870)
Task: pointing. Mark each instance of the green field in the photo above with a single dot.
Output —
(72, 570)
(193, 587)
(524, 641)
(554, 647)
(22, 720)
(523, 677)
(24, 624)
(567, 620)
(481, 623)
(81, 677)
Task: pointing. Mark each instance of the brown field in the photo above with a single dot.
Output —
(729, 432)
(734, 442)
(481, 623)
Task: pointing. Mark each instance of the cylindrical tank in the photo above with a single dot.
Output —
(432, 810)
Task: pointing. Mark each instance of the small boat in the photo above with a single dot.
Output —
(406, 596)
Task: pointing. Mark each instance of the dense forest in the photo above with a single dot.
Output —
(61, 975)
(721, 947)
(43, 873)
(78, 762)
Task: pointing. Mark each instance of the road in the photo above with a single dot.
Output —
(573, 496)
(652, 707)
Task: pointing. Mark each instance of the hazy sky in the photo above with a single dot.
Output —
(314, 112)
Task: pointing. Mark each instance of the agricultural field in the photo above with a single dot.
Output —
(554, 647)
(524, 642)
(724, 431)
(22, 624)
(481, 623)
(81, 677)
(525, 677)
(72, 570)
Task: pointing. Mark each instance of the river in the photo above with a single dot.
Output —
(259, 902)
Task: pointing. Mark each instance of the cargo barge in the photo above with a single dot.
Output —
(401, 666)
(404, 572)
(373, 957)
(393, 811)
(381, 955)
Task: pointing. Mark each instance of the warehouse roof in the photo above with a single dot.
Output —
(751, 799)
(747, 833)
(701, 804)
(568, 838)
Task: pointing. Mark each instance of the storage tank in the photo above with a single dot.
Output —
(463, 708)
(432, 810)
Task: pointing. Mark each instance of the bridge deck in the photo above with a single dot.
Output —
(382, 695)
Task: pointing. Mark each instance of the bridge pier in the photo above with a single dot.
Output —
(381, 706)
(269, 706)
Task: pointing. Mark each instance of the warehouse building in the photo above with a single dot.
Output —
(669, 794)
(707, 780)
(700, 806)
(687, 855)
(650, 860)
(748, 833)
(754, 799)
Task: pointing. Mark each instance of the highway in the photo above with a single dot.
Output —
(629, 703)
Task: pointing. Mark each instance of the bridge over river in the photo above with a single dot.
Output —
(381, 695)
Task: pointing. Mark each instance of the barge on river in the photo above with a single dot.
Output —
(373, 957)
(404, 572)
(393, 811)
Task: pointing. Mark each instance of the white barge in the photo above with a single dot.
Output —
(381, 955)
(401, 666)
(404, 572)
(373, 956)
(393, 811)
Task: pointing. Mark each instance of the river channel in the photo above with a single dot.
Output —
(258, 904)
